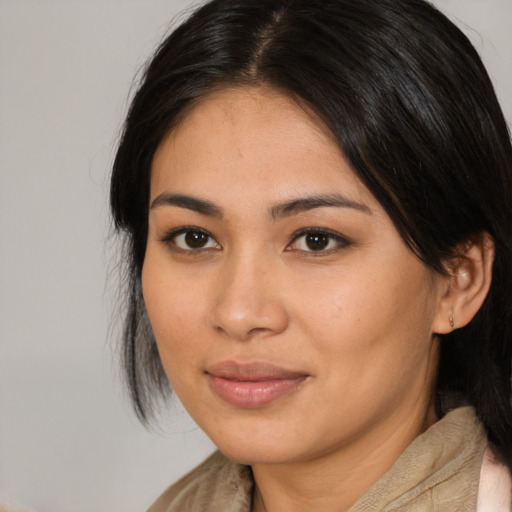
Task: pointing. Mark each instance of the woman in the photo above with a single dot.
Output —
(316, 200)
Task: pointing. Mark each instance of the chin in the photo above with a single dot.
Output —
(251, 455)
(258, 446)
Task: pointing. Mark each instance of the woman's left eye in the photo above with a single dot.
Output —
(317, 242)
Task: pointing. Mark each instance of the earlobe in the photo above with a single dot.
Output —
(468, 282)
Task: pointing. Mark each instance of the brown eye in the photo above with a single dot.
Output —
(196, 239)
(317, 241)
(192, 240)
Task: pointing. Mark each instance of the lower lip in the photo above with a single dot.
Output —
(253, 394)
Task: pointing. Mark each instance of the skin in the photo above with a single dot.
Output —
(358, 317)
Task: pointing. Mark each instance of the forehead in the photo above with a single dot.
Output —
(252, 140)
(246, 104)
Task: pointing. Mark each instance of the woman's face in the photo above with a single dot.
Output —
(290, 317)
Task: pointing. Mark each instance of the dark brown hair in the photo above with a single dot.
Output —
(412, 108)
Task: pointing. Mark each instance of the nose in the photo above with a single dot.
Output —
(249, 300)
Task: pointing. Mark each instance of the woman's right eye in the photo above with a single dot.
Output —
(191, 240)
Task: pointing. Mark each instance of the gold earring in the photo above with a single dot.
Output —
(452, 322)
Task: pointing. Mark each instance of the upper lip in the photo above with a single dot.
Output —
(252, 371)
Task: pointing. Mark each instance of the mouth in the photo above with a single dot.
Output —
(252, 385)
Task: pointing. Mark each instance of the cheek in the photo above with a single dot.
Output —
(375, 317)
(340, 306)
(176, 312)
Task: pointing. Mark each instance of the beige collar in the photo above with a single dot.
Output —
(438, 471)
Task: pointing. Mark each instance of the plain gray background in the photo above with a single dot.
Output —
(68, 440)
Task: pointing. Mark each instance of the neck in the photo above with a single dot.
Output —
(337, 480)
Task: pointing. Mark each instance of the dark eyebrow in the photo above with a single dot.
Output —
(309, 203)
(190, 203)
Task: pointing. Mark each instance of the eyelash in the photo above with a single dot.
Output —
(340, 241)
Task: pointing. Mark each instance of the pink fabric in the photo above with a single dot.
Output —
(495, 488)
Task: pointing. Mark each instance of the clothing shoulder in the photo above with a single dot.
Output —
(438, 471)
(216, 484)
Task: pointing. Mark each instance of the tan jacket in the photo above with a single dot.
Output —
(438, 472)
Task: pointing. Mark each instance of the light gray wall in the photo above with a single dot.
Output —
(68, 440)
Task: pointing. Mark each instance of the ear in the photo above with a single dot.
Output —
(468, 282)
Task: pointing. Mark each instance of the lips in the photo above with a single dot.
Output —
(252, 385)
